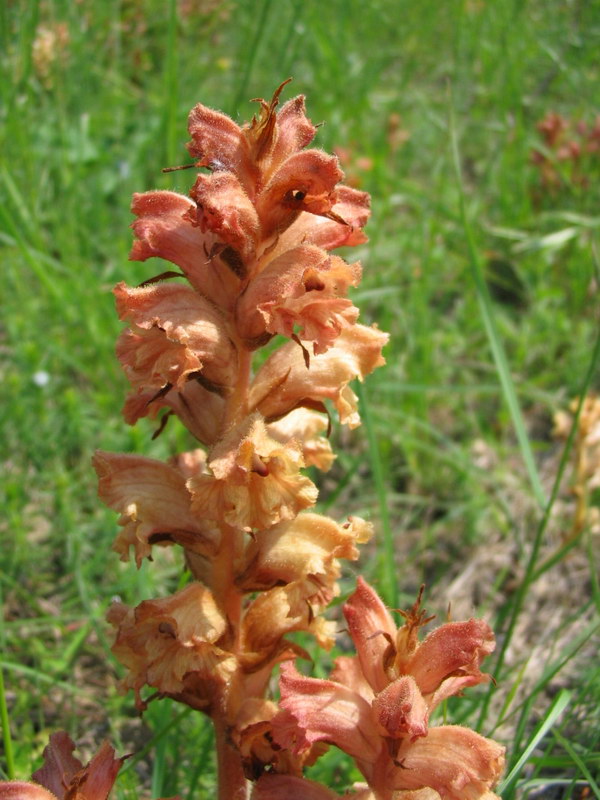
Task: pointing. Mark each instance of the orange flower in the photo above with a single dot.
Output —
(305, 426)
(376, 707)
(199, 409)
(173, 645)
(154, 504)
(175, 334)
(308, 545)
(254, 480)
(164, 229)
(285, 382)
(302, 287)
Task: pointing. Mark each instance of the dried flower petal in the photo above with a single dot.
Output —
(198, 408)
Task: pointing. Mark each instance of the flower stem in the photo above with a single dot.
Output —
(232, 781)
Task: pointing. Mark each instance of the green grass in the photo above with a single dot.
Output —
(487, 284)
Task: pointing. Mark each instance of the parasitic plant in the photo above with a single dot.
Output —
(252, 247)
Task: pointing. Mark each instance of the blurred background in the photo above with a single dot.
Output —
(475, 126)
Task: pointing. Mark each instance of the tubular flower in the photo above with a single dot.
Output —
(305, 426)
(175, 333)
(377, 705)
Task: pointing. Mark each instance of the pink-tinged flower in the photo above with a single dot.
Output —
(164, 228)
(291, 787)
(255, 150)
(154, 504)
(224, 208)
(280, 178)
(251, 733)
(306, 427)
(175, 334)
(377, 705)
(285, 382)
(176, 645)
(302, 288)
(306, 181)
(253, 481)
(63, 777)
(350, 214)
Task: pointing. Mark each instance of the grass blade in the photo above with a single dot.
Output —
(554, 712)
(489, 321)
(580, 764)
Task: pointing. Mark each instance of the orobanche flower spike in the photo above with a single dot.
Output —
(251, 255)
(252, 250)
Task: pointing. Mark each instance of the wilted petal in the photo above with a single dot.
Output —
(164, 229)
(373, 632)
(198, 408)
(284, 382)
(255, 480)
(306, 426)
(154, 504)
(317, 710)
(66, 777)
(454, 761)
(294, 131)
(176, 332)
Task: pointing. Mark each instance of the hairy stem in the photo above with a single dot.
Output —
(232, 781)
